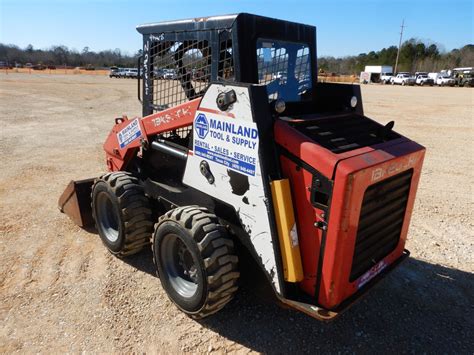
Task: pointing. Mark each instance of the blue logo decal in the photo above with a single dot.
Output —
(201, 125)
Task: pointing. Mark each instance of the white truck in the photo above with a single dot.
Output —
(386, 78)
(403, 79)
(422, 79)
(445, 81)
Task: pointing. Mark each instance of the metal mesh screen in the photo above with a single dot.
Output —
(181, 71)
(226, 63)
(272, 64)
(182, 132)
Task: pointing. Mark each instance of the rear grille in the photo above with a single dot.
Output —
(341, 134)
(380, 223)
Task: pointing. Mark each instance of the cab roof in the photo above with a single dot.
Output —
(207, 23)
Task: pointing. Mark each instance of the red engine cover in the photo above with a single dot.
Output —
(327, 256)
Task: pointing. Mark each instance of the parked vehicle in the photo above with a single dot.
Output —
(403, 79)
(465, 79)
(445, 81)
(131, 73)
(114, 72)
(423, 79)
(376, 72)
(39, 67)
(158, 73)
(5, 65)
(433, 76)
(122, 73)
(386, 78)
(170, 74)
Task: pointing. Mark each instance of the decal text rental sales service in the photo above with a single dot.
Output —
(233, 143)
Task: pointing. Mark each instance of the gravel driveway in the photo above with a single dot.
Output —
(61, 291)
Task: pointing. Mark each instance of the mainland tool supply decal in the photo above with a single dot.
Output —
(129, 133)
(230, 142)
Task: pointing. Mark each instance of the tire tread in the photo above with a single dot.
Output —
(135, 210)
(217, 252)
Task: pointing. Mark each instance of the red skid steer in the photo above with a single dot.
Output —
(239, 143)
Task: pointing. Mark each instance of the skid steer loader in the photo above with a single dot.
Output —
(239, 143)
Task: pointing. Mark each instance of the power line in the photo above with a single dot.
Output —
(399, 45)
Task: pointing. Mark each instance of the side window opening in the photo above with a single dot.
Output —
(285, 67)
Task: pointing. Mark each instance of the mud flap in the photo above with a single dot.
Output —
(75, 201)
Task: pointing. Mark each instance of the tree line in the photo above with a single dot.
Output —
(414, 56)
(64, 56)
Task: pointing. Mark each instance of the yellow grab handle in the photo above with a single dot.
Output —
(287, 233)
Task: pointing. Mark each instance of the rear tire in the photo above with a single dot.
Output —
(195, 259)
(122, 213)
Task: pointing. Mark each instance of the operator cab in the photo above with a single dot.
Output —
(240, 48)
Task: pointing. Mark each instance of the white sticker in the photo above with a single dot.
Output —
(294, 236)
(129, 133)
(226, 141)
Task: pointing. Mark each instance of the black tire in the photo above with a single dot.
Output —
(122, 213)
(195, 259)
(422, 83)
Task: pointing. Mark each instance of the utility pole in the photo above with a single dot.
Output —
(399, 45)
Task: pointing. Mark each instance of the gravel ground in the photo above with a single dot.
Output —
(61, 291)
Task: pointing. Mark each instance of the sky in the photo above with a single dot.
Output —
(343, 27)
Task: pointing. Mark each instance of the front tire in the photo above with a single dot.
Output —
(195, 259)
(122, 213)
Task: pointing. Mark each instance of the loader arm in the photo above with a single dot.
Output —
(128, 135)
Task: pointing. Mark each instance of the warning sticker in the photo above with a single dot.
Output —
(129, 133)
(230, 142)
(369, 275)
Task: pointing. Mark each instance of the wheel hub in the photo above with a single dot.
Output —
(108, 220)
(180, 265)
(185, 260)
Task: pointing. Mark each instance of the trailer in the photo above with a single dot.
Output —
(373, 73)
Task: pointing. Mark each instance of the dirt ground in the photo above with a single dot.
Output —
(61, 291)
